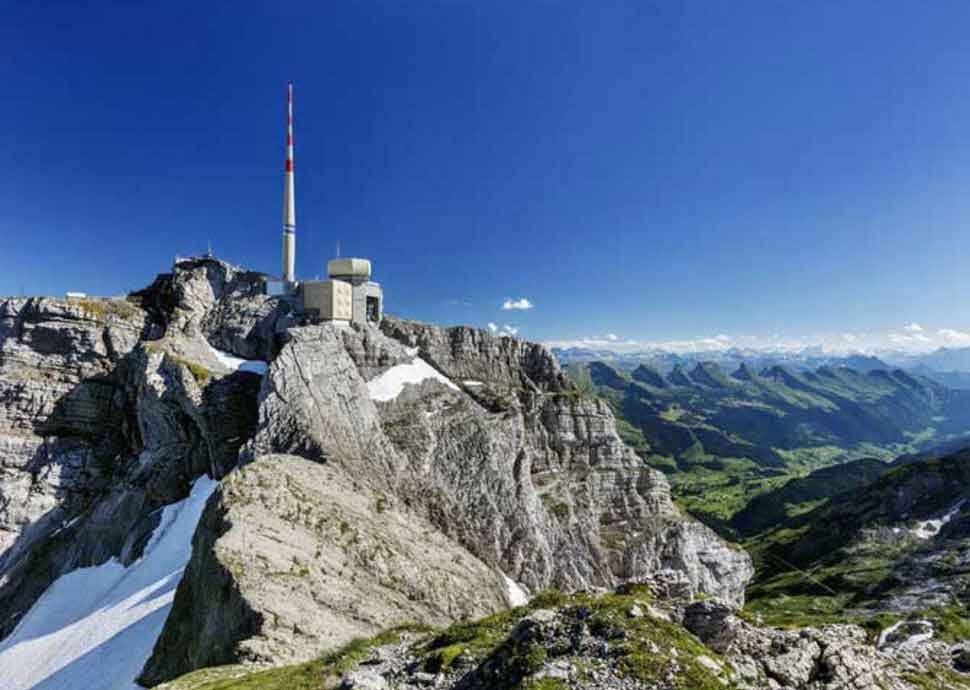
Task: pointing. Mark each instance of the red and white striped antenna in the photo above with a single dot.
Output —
(289, 197)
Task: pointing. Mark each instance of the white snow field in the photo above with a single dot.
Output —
(234, 363)
(930, 528)
(94, 628)
(517, 595)
(389, 385)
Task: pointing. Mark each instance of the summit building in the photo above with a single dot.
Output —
(348, 295)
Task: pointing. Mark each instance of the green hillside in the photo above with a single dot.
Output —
(724, 439)
(897, 546)
(801, 494)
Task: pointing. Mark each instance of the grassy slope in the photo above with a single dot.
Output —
(724, 441)
(646, 649)
(816, 568)
(802, 494)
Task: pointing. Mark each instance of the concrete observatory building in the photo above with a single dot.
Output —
(367, 296)
(348, 295)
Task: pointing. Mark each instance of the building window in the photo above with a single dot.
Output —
(373, 309)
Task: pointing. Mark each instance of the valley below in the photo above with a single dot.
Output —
(731, 444)
(848, 488)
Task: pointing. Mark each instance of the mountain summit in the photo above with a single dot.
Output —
(362, 476)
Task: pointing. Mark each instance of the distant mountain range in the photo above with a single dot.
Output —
(949, 366)
(760, 414)
(809, 358)
(726, 437)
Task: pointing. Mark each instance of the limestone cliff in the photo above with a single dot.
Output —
(386, 474)
(495, 453)
(101, 426)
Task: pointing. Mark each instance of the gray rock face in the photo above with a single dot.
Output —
(224, 304)
(352, 512)
(527, 476)
(544, 490)
(586, 510)
(832, 657)
(465, 354)
(96, 433)
(56, 398)
(293, 557)
(314, 403)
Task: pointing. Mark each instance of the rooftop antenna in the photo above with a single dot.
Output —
(209, 252)
(289, 197)
(338, 249)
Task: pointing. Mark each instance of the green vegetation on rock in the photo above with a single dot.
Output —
(506, 650)
(103, 309)
(318, 674)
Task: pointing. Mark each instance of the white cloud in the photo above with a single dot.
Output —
(505, 329)
(521, 304)
(614, 343)
(913, 338)
(951, 337)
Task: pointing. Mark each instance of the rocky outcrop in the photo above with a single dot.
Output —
(293, 557)
(389, 474)
(471, 354)
(226, 305)
(61, 411)
(633, 639)
(827, 658)
(589, 511)
(177, 431)
(101, 426)
(520, 472)
(315, 403)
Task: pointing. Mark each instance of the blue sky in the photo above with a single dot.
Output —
(658, 171)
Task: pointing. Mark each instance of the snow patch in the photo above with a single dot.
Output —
(96, 627)
(905, 634)
(516, 595)
(930, 528)
(234, 363)
(391, 383)
(473, 383)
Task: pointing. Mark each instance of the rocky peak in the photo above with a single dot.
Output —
(225, 304)
(679, 377)
(649, 376)
(709, 374)
(744, 373)
(471, 450)
(602, 374)
(465, 353)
